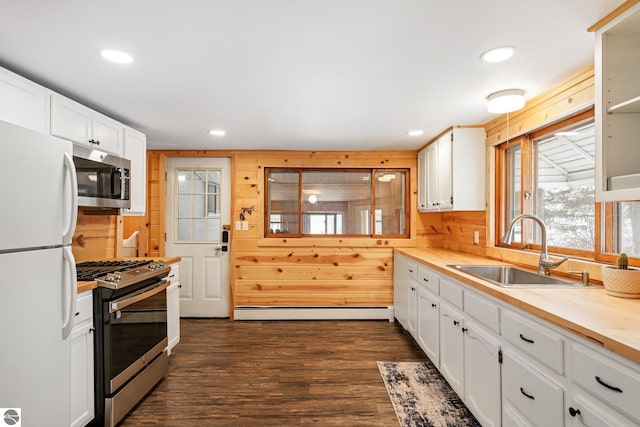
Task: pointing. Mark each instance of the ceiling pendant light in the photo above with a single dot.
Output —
(505, 101)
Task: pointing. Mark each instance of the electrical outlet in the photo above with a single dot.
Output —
(238, 225)
(245, 225)
(476, 237)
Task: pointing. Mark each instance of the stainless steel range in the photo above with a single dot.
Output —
(130, 314)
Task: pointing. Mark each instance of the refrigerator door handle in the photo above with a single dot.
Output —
(73, 209)
(72, 292)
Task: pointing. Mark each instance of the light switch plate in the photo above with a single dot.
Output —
(238, 225)
(476, 237)
(245, 225)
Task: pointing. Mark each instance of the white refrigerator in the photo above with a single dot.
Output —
(38, 212)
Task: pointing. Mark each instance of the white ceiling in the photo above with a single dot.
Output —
(296, 74)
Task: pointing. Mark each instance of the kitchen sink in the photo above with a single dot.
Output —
(513, 277)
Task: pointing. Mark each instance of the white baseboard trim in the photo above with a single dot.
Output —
(313, 313)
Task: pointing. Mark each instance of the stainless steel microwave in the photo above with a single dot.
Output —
(103, 179)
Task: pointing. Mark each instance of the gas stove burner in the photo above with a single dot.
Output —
(116, 274)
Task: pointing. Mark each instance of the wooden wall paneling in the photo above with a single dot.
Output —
(429, 229)
(95, 237)
(459, 227)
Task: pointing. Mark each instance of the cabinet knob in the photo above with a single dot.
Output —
(465, 329)
(434, 305)
(573, 412)
(455, 322)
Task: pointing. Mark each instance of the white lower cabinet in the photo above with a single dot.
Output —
(534, 399)
(82, 401)
(173, 308)
(482, 373)
(429, 324)
(452, 346)
(508, 366)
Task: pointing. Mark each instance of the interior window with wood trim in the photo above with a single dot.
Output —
(311, 202)
(550, 172)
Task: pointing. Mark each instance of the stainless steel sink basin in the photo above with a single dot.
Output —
(513, 277)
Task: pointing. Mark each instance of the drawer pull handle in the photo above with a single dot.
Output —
(610, 387)
(425, 279)
(526, 339)
(410, 271)
(526, 394)
(573, 412)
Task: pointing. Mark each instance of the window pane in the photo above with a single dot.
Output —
(390, 202)
(184, 205)
(184, 181)
(331, 195)
(628, 228)
(283, 202)
(184, 229)
(198, 181)
(513, 201)
(565, 186)
(199, 232)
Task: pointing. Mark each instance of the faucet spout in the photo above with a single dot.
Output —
(545, 264)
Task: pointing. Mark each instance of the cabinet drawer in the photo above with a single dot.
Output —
(606, 378)
(594, 412)
(84, 307)
(451, 291)
(534, 339)
(411, 270)
(482, 310)
(429, 279)
(533, 395)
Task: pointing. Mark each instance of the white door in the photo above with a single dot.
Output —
(198, 208)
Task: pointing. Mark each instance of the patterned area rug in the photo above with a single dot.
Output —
(422, 397)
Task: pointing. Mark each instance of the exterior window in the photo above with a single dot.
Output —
(627, 231)
(564, 194)
(551, 173)
(336, 202)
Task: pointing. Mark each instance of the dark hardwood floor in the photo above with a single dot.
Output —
(278, 373)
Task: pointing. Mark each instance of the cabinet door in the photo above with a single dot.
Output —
(482, 374)
(422, 180)
(22, 102)
(452, 347)
(432, 177)
(70, 120)
(135, 149)
(82, 392)
(412, 304)
(401, 289)
(445, 170)
(173, 307)
(429, 324)
(107, 133)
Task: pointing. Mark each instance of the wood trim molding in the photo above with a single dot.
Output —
(612, 15)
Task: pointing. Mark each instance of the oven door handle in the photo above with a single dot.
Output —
(125, 302)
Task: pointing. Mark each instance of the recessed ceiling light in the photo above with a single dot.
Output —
(416, 132)
(116, 56)
(498, 54)
(217, 132)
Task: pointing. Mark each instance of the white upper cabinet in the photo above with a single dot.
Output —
(617, 83)
(22, 102)
(135, 149)
(454, 178)
(75, 122)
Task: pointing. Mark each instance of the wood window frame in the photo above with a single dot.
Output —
(604, 212)
(372, 235)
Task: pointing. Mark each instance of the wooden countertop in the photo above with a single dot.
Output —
(611, 322)
(88, 286)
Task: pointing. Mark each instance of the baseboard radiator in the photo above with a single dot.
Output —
(313, 313)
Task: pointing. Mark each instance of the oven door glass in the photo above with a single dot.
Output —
(133, 332)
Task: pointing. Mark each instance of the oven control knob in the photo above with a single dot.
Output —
(117, 276)
(110, 277)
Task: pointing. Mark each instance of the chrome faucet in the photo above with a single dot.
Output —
(545, 264)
